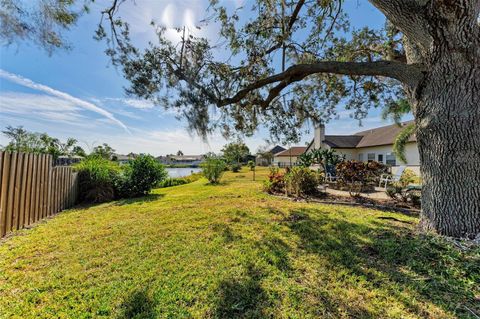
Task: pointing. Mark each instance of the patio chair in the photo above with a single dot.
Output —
(388, 178)
(330, 174)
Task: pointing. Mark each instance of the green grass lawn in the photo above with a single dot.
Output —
(227, 251)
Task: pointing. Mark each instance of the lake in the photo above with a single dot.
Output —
(180, 172)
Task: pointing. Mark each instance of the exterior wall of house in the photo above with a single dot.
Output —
(350, 154)
(380, 153)
(284, 161)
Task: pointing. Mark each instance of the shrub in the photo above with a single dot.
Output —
(193, 177)
(301, 181)
(169, 182)
(213, 169)
(409, 177)
(357, 175)
(251, 165)
(96, 179)
(275, 182)
(398, 191)
(236, 167)
(140, 176)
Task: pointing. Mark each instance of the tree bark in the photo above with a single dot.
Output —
(447, 116)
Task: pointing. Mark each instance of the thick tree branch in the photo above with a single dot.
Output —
(406, 73)
(408, 16)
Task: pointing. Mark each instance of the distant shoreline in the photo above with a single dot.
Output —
(180, 166)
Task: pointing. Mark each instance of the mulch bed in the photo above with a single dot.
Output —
(381, 204)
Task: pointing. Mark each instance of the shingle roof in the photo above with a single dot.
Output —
(276, 149)
(342, 141)
(293, 151)
(384, 135)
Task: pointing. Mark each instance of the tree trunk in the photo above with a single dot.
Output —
(447, 116)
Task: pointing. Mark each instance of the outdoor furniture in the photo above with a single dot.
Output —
(330, 174)
(388, 178)
(330, 178)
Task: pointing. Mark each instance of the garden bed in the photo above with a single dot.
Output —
(382, 204)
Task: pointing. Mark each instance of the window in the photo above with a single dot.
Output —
(371, 157)
(380, 158)
(390, 159)
(360, 157)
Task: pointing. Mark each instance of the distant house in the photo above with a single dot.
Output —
(123, 159)
(65, 160)
(289, 157)
(266, 158)
(370, 145)
(190, 160)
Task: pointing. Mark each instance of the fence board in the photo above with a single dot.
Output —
(23, 192)
(6, 160)
(43, 185)
(17, 192)
(31, 189)
(11, 191)
(36, 208)
(49, 187)
(28, 189)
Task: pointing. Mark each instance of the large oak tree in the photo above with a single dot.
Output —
(293, 61)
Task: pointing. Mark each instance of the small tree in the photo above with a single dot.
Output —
(235, 152)
(213, 168)
(324, 157)
(306, 159)
(105, 151)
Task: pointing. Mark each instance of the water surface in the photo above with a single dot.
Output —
(181, 172)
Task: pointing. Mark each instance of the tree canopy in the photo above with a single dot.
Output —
(288, 63)
(41, 22)
(22, 140)
(235, 152)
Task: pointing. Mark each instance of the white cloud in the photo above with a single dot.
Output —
(139, 104)
(40, 106)
(61, 95)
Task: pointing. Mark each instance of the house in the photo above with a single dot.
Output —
(289, 157)
(123, 159)
(370, 145)
(65, 160)
(190, 160)
(266, 158)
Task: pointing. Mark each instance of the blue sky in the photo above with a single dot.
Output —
(78, 94)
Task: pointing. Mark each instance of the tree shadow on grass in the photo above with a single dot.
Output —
(394, 259)
(275, 252)
(241, 297)
(139, 200)
(138, 305)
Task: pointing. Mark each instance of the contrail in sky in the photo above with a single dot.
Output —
(81, 103)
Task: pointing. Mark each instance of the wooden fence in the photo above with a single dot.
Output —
(32, 189)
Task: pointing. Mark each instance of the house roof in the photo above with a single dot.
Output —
(277, 149)
(186, 157)
(342, 141)
(122, 157)
(293, 151)
(384, 135)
